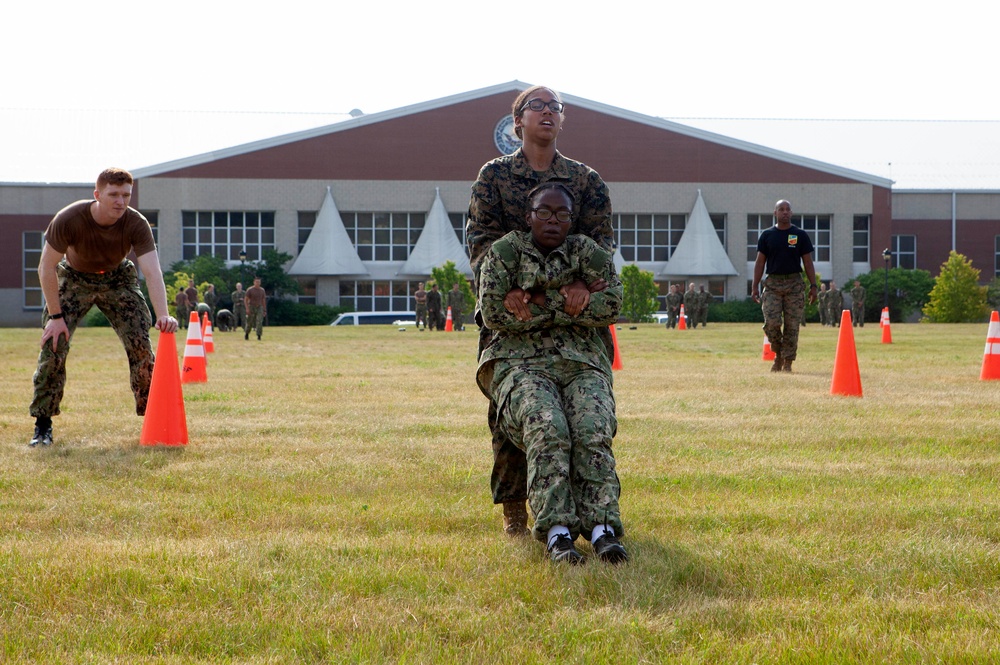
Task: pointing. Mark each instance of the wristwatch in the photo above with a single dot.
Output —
(57, 315)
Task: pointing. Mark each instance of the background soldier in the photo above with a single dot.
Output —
(181, 307)
(858, 304)
(823, 305)
(835, 304)
(691, 306)
(210, 300)
(225, 321)
(256, 305)
(456, 300)
(192, 294)
(420, 296)
(434, 309)
(239, 307)
(673, 306)
(704, 297)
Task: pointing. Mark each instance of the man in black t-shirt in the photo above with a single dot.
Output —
(783, 250)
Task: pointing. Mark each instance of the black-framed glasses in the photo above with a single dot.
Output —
(537, 104)
(545, 214)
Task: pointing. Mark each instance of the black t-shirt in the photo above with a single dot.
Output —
(784, 249)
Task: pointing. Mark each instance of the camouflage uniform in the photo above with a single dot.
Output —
(116, 293)
(551, 380)
(704, 297)
(834, 306)
(858, 305)
(209, 299)
(691, 307)
(782, 302)
(239, 309)
(181, 307)
(456, 300)
(498, 205)
(420, 296)
(225, 320)
(821, 300)
(255, 311)
(674, 300)
(434, 319)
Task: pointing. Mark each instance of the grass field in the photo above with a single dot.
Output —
(333, 506)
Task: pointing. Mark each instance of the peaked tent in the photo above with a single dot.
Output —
(699, 251)
(437, 243)
(329, 250)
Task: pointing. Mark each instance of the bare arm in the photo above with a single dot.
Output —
(758, 274)
(49, 279)
(807, 263)
(149, 263)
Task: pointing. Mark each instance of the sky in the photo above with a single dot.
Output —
(85, 85)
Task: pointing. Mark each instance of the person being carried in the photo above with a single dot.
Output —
(549, 374)
(83, 264)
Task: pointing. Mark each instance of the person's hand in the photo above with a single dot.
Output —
(577, 297)
(812, 295)
(597, 285)
(54, 329)
(755, 294)
(516, 302)
(166, 324)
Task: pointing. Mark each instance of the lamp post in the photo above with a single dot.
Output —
(886, 256)
(243, 260)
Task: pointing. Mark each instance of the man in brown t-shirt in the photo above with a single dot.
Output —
(83, 264)
(256, 304)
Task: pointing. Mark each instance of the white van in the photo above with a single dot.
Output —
(365, 318)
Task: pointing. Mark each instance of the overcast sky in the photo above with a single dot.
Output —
(847, 60)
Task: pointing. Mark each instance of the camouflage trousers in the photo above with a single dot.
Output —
(117, 295)
(561, 413)
(255, 320)
(182, 314)
(240, 315)
(782, 302)
(422, 315)
(509, 477)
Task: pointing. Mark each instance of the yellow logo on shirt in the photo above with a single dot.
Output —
(793, 240)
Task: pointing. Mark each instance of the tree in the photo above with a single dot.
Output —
(993, 293)
(274, 279)
(909, 291)
(956, 296)
(447, 276)
(640, 301)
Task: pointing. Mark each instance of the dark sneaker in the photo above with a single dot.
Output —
(608, 549)
(43, 435)
(562, 550)
(246, 335)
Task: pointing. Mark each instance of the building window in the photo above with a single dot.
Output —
(378, 296)
(996, 257)
(31, 253)
(153, 217)
(719, 222)
(307, 220)
(226, 234)
(308, 294)
(862, 226)
(383, 236)
(458, 220)
(817, 226)
(904, 252)
(649, 237)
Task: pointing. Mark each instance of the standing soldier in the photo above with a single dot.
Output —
(434, 308)
(420, 296)
(858, 304)
(192, 294)
(784, 250)
(181, 306)
(456, 300)
(673, 306)
(256, 305)
(835, 300)
(822, 303)
(239, 307)
(691, 306)
(704, 297)
(210, 300)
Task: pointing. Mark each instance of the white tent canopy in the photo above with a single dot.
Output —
(437, 243)
(699, 251)
(329, 250)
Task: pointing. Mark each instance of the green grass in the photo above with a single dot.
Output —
(333, 506)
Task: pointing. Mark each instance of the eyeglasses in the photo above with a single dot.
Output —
(537, 105)
(545, 215)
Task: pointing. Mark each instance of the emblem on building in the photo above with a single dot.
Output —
(504, 137)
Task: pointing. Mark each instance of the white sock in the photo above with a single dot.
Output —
(599, 531)
(557, 530)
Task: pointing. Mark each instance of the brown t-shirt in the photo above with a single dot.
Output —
(255, 296)
(90, 247)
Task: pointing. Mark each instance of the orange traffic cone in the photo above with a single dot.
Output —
(769, 353)
(208, 341)
(886, 329)
(448, 325)
(884, 319)
(165, 421)
(616, 363)
(991, 358)
(195, 369)
(682, 320)
(846, 377)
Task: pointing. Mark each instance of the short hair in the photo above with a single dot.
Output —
(551, 184)
(517, 110)
(113, 176)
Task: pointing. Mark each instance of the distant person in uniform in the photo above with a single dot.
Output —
(434, 308)
(704, 297)
(456, 300)
(83, 264)
(782, 252)
(858, 294)
(210, 300)
(192, 293)
(549, 374)
(225, 321)
(420, 298)
(691, 306)
(674, 300)
(823, 305)
(256, 305)
(181, 308)
(834, 304)
(239, 306)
